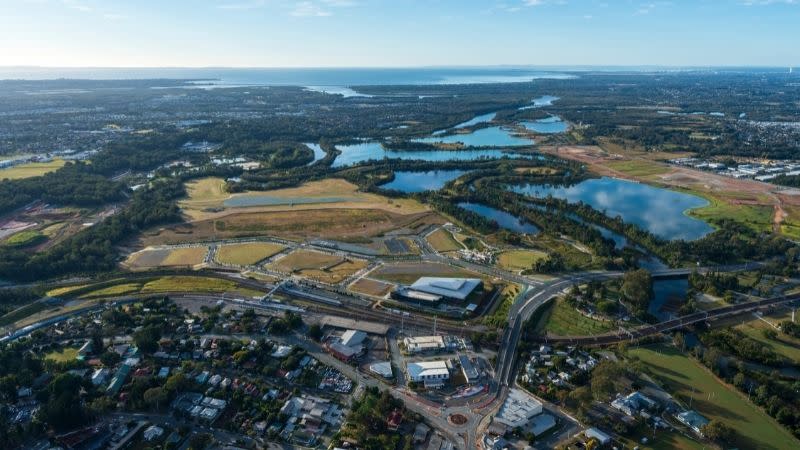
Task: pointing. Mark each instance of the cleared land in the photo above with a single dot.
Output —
(562, 319)
(686, 379)
(207, 199)
(407, 273)
(150, 258)
(374, 288)
(517, 260)
(246, 254)
(443, 241)
(783, 345)
(25, 238)
(317, 265)
(64, 355)
(30, 170)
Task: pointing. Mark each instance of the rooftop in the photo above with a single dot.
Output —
(428, 368)
(458, 288)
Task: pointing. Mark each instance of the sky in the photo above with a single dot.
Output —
(398, 33)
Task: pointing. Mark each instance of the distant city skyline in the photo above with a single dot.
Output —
(411, 33)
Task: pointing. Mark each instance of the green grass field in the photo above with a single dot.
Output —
(443, 241)
(784, 345)
(516, 260)
(64, 355)
(21, 313)
(25, 239)
(686, 379)
(639, 167)
(756, 217)
(564, 320)
(31, 169)
(247, 253)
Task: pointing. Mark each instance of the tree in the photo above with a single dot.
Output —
(155, 397)
(63, 409)
(315, 332)
(718, 432)
(147, 338)
(637, 288)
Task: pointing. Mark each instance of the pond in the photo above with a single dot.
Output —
(669, 295)
(356, 153)
(319, 153)
(549, 125)
(660, 211)
(485, 137)
(504, 219)
(431, 180)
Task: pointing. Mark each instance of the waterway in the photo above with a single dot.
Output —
(504, 219)
(431, 180)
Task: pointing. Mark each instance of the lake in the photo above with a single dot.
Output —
(504, 219)
(549, 125)
(474, 121)
(660, 211)
(431, 180)
(319, 153)
(356, 153)
(485, 137)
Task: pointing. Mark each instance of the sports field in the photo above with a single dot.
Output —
(317, 265)
(248, 253)
(686, 379)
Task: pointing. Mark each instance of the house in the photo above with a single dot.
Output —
(420, 433)
(693, 420)
(100, 376)
(432, 373)
(633, 403)
(153, 432)
(599, 436)
(119, 380)
(394, 420)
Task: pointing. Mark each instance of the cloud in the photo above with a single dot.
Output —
(73, 4)
(309, 9)
(240, 6)
(770, 2)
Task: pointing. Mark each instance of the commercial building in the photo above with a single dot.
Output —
(424, 344)
(447, 288)
(518, 409)
(468, 369)
(693, 420)
(342, 352)
(633, 403)
(594, 433)
(431, 373)
(382, 368)
(352, 338)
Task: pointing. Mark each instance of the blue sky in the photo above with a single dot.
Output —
(321, 33)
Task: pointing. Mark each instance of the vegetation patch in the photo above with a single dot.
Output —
(518, 260)
(66, 354)
(443, 241)
(686, 380)
(246, 254)
(562, 319)
(25, 238)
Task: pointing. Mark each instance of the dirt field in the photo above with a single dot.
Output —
(407, 273)
(150, 258)
(207, 199)
(317, 265)
(374, 288)
(341, 224)
(247, 253)
(761, 206)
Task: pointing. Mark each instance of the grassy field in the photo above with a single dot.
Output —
(784, 345)
(564, 320)
(150, 258)
(407, 273)
(371, 287)
(499, 316)
(167, 284)
(64, 355)
(757, 217)
(21, 313)
(517, 260)
(317, 265)
(442, 241)
(206, 199)
(25, 238)
(115, 291)
(686, 379)
(30, 170)
(248, 253)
